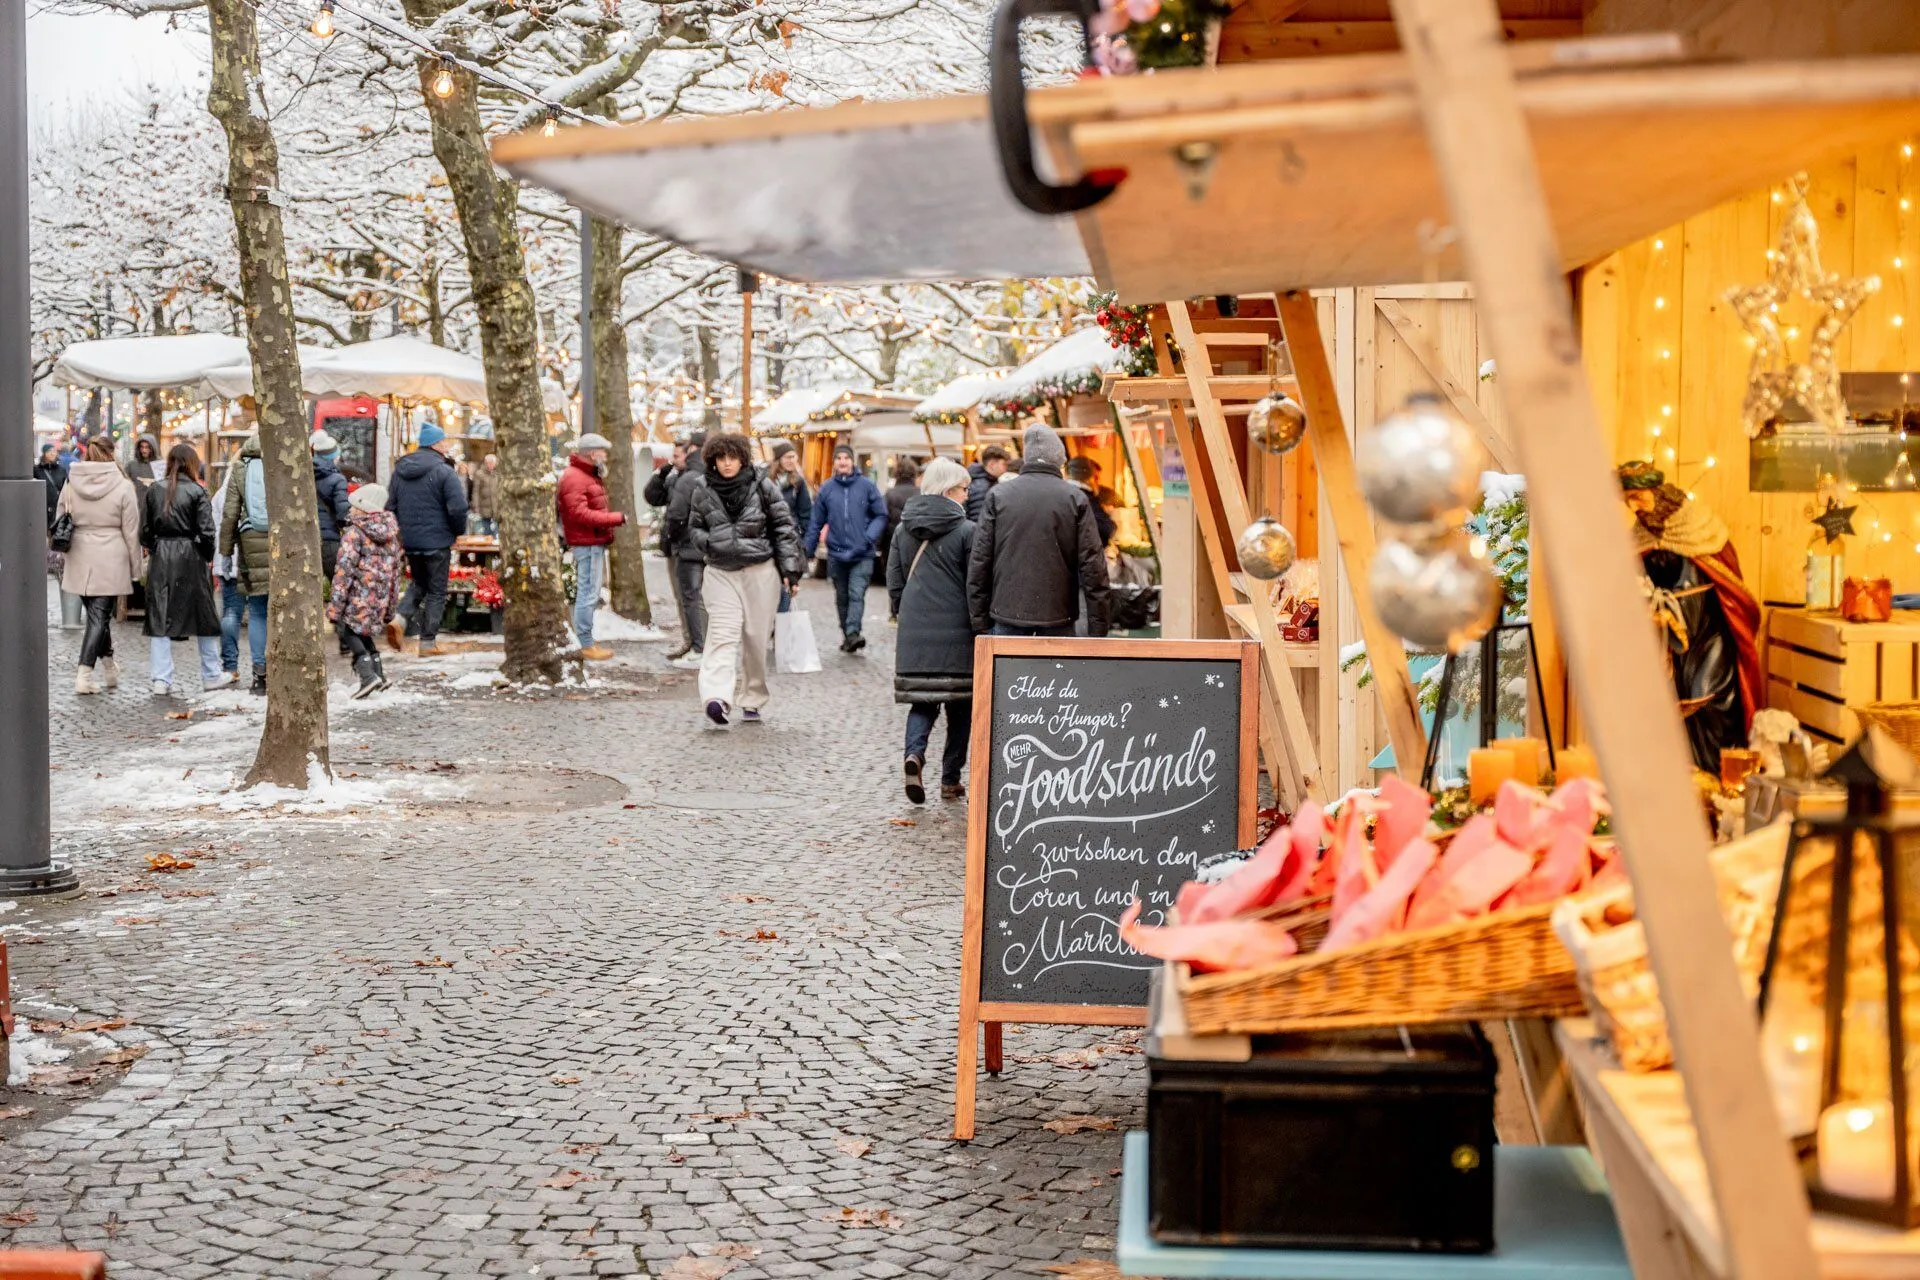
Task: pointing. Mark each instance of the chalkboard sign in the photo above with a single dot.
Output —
(1103, 770)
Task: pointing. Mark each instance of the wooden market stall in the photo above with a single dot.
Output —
(1320, 173)
(818, 419)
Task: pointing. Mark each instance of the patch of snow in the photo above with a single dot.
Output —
(608, 625)
(340, 701)
(27, 1051)
(478, 680)
(1500, 487)
(159, 790)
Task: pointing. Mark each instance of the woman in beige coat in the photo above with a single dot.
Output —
(105, 556)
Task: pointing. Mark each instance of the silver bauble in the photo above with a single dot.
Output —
(1266, 549)
(1422, 464)
(1277, 423)
(1439, 595)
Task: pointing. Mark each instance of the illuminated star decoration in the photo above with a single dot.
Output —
(1835, 520)
(1772, 379)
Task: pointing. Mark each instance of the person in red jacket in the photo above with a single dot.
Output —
(587, 525)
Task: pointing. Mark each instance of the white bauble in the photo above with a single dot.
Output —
(1441, 595)
(1422, 465)
(1266, 549)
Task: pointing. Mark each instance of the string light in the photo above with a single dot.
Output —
(323, 20)
(552, 126)
(443, 81)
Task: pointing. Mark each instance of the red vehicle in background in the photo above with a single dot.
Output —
(354, 421)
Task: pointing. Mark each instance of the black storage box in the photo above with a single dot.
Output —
(1363, 1139)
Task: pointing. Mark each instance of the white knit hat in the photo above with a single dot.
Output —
(368, 497)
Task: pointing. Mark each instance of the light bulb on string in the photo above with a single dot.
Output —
(443, 81)
(323, 20)
(552, 126)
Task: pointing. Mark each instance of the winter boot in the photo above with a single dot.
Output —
(83, 680)
(379, 673)
(369, 678)
(109, 672)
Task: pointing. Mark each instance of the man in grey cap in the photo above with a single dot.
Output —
(1037, 550)
(588, 525)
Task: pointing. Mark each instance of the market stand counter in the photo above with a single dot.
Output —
(1824, 669)
(475, 556)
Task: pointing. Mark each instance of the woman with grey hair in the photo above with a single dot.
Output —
(933, 661)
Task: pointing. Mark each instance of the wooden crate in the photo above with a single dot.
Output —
(1820, 667)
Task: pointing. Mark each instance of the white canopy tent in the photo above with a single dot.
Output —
(162, 362)
(235, 378)
(401, 366)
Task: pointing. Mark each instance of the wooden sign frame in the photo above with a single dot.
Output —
(975, 1013)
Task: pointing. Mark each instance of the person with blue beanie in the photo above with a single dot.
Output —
(851, 513)
(429, 500)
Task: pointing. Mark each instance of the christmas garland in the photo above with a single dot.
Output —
(1126, 327)
(839, 413)
(942, 418)
(1148, 35)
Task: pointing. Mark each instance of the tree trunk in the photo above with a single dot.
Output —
(613, 418)
(536, 609)
(295, 735)
(707, 352)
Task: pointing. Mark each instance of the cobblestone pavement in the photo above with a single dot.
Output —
(615, 994)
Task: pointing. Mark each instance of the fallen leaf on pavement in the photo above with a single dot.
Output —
(567, 1179)
(904, 822)
(855, 1147)
(747, 897)
(1086, 1269)
(319, 1049)
(20, 1217)
(69, 1024)
(582, 1148)
(883, 1219)
(765, 935)
(121, 1057)
(748, 1251)
(179, 715)
(1082, 1124)
(14, 1113)
(438, 962)
(564, 1079)
(729, 1116)
(688, 1267)
(186, 893)
(167, 863)
(133, 920)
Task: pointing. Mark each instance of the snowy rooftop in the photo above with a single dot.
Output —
(792, 408)
(963, 392)
(1077, 352)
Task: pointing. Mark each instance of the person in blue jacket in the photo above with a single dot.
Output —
(430, 500)
(851, 512)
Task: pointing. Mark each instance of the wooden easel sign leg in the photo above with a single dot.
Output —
(1104, 770)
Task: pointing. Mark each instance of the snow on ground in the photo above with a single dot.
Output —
(478, 680)
(25, 1051)
(608, 625)
(167, 790)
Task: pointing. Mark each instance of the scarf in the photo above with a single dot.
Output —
(733, 494)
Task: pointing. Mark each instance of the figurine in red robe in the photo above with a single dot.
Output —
(1708, 619)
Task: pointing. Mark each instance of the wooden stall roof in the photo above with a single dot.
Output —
(1319, 175)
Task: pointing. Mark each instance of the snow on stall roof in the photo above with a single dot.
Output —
(791, 408)
(235, 378)
(399, 366)
(1087, 349)
(149, 363)
(963, 392)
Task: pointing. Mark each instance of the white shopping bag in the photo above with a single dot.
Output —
(794, 652)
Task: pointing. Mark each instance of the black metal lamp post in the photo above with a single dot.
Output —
(1841, 957)
(25, 822)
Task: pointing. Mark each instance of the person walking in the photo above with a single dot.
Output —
(688, 561)
(330, 495)
(587, 525)
(982, 476)
(50, 473)
(243, 538)
(1085, 473)
(850, 512)
(1036, 552)
(933, 659)
(906, 478)
(146, 466)
(366, 582)
(430, 503)
(748, 544)
(486, 496)
(792, 483)
(104, 557)
(176, 528)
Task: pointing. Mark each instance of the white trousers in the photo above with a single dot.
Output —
(740, 608)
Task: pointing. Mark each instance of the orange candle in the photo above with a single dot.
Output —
(1575, 762)
(1529, 757)
(1487, 768)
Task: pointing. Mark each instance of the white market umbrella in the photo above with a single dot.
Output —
(148, 364)
(399, 366)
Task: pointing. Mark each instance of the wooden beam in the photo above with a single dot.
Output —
(1246, 387)
(1420, 343)
(1257, 42)
(1233, 501)
(1353, 529)
(1486, 160)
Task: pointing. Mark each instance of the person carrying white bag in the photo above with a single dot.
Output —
(933, 659)
(795, 652)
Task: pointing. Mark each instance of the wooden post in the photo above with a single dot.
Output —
(1139, 474)
(746, 361)
(1352, 528)
(1479, 138)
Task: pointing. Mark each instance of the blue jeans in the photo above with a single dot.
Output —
(232, 606)
(257, 633)
(160, 658)
(1002, 629)
(589, 573)
(920, 718)
(850, 581)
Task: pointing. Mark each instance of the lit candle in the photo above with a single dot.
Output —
(1856, 1149)
(1575, 762)
(1792, 1057)
(1487, 768)
(1529, 757)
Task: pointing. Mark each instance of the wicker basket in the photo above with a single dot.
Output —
(1901, 720)
(1505, 965)
(1614, 972)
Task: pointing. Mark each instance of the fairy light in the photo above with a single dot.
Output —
(552, 126)
(323, 20)
(443, 80)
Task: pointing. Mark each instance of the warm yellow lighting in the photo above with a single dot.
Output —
(1659, 304)
(1666, 353)
(1776, 200)
(1710, 460)
(323, 21)
(1666, 411)
(443, 82)
(1793, 332)
(1671, 454)
(1906, 149)
(1898, 321)
(1905, 203)
(1659, 244)
(1654, 431)
(550, 128)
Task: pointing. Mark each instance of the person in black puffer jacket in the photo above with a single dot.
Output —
(330, 495)
(1037, 550)
(933, 662)
(428, 498)
(176, 528)
(742, 529)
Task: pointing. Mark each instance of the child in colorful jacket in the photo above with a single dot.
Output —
(366, 581)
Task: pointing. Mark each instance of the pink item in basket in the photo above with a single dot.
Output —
(1565, 869)
(1382, 909)
(1403, 816)
(1220, 944)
